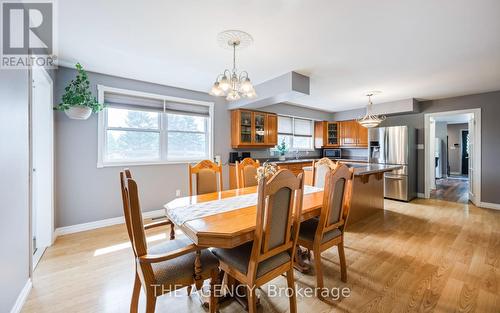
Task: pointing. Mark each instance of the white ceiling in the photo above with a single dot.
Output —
(425, 49)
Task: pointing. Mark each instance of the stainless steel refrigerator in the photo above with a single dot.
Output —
(395, 146)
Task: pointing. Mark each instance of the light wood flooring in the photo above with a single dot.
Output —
(424, 256)
(455, 189)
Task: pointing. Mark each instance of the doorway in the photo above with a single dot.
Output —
(42, 162)
(452, 161)
(465, 152)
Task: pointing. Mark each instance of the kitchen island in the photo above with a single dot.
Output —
(368, 189)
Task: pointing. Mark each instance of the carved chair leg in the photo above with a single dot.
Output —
(343, 265)
(135, 295)
(214, 280)
(291, 285)
(150, 304)
(198, 269)
(172, 231)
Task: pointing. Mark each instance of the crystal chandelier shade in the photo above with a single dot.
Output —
(370, 120)
(230, 83)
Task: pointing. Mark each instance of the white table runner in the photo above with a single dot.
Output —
(179, 214)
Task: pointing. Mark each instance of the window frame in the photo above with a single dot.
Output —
(163, 129)
(311, 148)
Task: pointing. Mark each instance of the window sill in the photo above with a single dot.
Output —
(145, 163)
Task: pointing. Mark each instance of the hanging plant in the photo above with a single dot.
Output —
(78, 101)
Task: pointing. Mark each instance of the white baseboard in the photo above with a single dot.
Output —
(102, 223)
(455, 173)
(21, 299)
(421, 195)
(494, 206)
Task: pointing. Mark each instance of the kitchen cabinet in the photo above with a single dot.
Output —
(348, 134)
(352, 134)
(326, 134)
(253, 129)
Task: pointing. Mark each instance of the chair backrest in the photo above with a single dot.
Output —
(336, 199)
(320, 169)
(133, 213)
(246, 172)
(206, 173)
(279, 207)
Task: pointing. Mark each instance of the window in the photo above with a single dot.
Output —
(151, 129)
(297, 132)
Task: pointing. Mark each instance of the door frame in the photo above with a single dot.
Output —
(476, 113)
(34, 258)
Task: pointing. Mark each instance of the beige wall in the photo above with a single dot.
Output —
(454, 153)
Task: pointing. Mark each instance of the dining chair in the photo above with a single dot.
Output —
(246, 172)
(320, 234)
(271, 253)
(165, 267)
(163, 222)
(206, 173)
(320, 168)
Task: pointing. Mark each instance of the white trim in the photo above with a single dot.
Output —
(103, 223)
(455, 173)
(421, 195)
(21, 299)
(476, 153)
(488, 205)
(101, 89)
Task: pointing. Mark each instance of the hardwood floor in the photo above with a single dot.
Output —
(455, 189)
(424, 256)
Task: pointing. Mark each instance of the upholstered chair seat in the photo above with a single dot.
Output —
(239, 258)
(308, 231)
(175, 271)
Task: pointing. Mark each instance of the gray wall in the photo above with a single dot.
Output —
(489, 103)
(454, 153)
(14, 188)
(85, 193)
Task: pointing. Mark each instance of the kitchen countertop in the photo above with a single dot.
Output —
(366, 169)
(293, 160)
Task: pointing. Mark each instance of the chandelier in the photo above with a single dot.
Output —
(370, 120)
(230, 84)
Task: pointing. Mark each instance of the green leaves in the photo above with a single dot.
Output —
(78, 93)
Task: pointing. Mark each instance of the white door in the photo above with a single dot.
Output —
(470, 149)
(42, 135)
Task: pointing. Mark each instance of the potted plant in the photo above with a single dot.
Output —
(78, 102)
(282, 149)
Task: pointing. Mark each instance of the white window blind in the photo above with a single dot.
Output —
(296, 132)
(285, 125)
(302, 127)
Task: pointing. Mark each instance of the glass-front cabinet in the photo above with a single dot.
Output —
(246, 127)
(332, 134)
(253, 129)
(260, 127)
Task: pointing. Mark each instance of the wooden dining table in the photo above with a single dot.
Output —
(232, 228)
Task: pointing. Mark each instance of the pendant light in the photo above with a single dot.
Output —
(370, 120)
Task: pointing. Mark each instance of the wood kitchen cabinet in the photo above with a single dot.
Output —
(348, 134)
(352, 134)
(326, 134)
(253, 129)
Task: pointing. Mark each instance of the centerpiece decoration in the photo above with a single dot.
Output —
(267, 170)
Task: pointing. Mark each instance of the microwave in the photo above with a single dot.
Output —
(332, 153)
